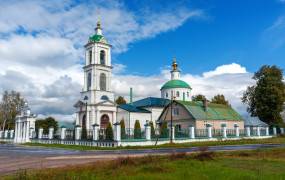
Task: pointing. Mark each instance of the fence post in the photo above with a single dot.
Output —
(237, 130)
(11, 134)
(191, 132)
(147, 132)
(173, 132)
(40, 133)
(267, 131)
(50, 133)
(6, 134)
(117, 132)
(77, 133)
(63, 133)
(1, 134)
(209, 130)
(95, 132)
(281, 130)
(258, 130)
(247, 128)
(274, 131)
(224, 130)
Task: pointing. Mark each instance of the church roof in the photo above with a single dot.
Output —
(254, 121)
(151, 102)
(176, 83)
(97, 38)
(213, 112)
(132, 108)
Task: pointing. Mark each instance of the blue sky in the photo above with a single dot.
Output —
(229, 31)
(218, 44)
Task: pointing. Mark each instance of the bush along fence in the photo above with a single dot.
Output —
(116, 135)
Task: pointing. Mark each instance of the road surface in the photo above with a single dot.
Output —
(17, 157)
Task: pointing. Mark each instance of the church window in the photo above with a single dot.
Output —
(177, 94)
(166, 95)
(187, 94)
(175, 112)
(102, 82)
(89, 81)
(102, 57)
(104, 98)
(90, 57)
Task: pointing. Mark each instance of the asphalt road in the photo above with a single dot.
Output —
(15, 157)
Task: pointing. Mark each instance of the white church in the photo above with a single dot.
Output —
(97, 106)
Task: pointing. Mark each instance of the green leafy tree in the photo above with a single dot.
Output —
(265, 99)
(121, 100)
(152, 129)
(123, 129)
(10, 106)
(198, 97)
(137, 131)
(220, 99)
(46, 124)
(163, 130)
(109, 132)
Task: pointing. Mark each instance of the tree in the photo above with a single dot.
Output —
(152, 129)
(121, 100)
(46, 124)
(10, 106)
(198, 97)
(220, 99)
(163, 130)
(109, 132)
(265, 99)
(123, 129)
(137, 131)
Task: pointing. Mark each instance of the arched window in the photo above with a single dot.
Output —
(102, 57)
(90, 57)
(166, 95)
(177, 94)
(102, 82)
(89, 81)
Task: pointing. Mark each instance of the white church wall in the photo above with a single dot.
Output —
(168, 93)
(142, 117)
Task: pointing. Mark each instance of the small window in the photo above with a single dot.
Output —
(178, 127)
(102, 57)
(104, 98)
(166, 95)
(188, 94)
(177, 94)
(89, 81)
(102, 82)
(90, 57)
(175, 111)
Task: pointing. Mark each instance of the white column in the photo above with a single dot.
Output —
(62, 133)
(27, 137)
(98, 117)
(87, 119)
(237, 130)
(224, 129)
(77, 133)
(281, 130)
(23, 135)
(247, 128)
(114, 117)
(16, 131)
(6, 134)
(12, 134)
(95, 132)
(258, 131)
(192, 132)
(50, 133)
(209, 131)
(274, 131)
(147, 132)
(173, 132)
(77, 119)
(117, 132)
(40, 133)
(267, 131)
(1, 134)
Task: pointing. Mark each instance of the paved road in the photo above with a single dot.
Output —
(15, 157)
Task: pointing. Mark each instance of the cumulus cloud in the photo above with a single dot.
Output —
(226, 69)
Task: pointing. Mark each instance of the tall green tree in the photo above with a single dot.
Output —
(198, 97)
(10, 106)
(121, 100)
(266, 98)
(46, 124)
(109, 132)
(220, 99)
(137, 130)
(123, 129)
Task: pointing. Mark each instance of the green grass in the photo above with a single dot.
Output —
(257, 164)
(275, 140)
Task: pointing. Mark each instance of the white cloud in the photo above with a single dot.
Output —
(226, 69)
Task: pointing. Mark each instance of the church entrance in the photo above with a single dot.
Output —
(104, 121)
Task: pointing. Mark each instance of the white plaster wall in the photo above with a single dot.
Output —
(172, 92)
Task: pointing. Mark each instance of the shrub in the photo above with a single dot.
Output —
(152, 129)
(163, 130)
(109, 132)
(123, 129)
(137, 131)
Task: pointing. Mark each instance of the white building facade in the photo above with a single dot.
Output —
(96, 105)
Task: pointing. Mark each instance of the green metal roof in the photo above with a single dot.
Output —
(96, 38)
(213, 112)
(151, 102)
(175, 84)
(131, 108)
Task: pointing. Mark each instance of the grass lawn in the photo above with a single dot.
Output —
(275, 140)
(257, 164)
